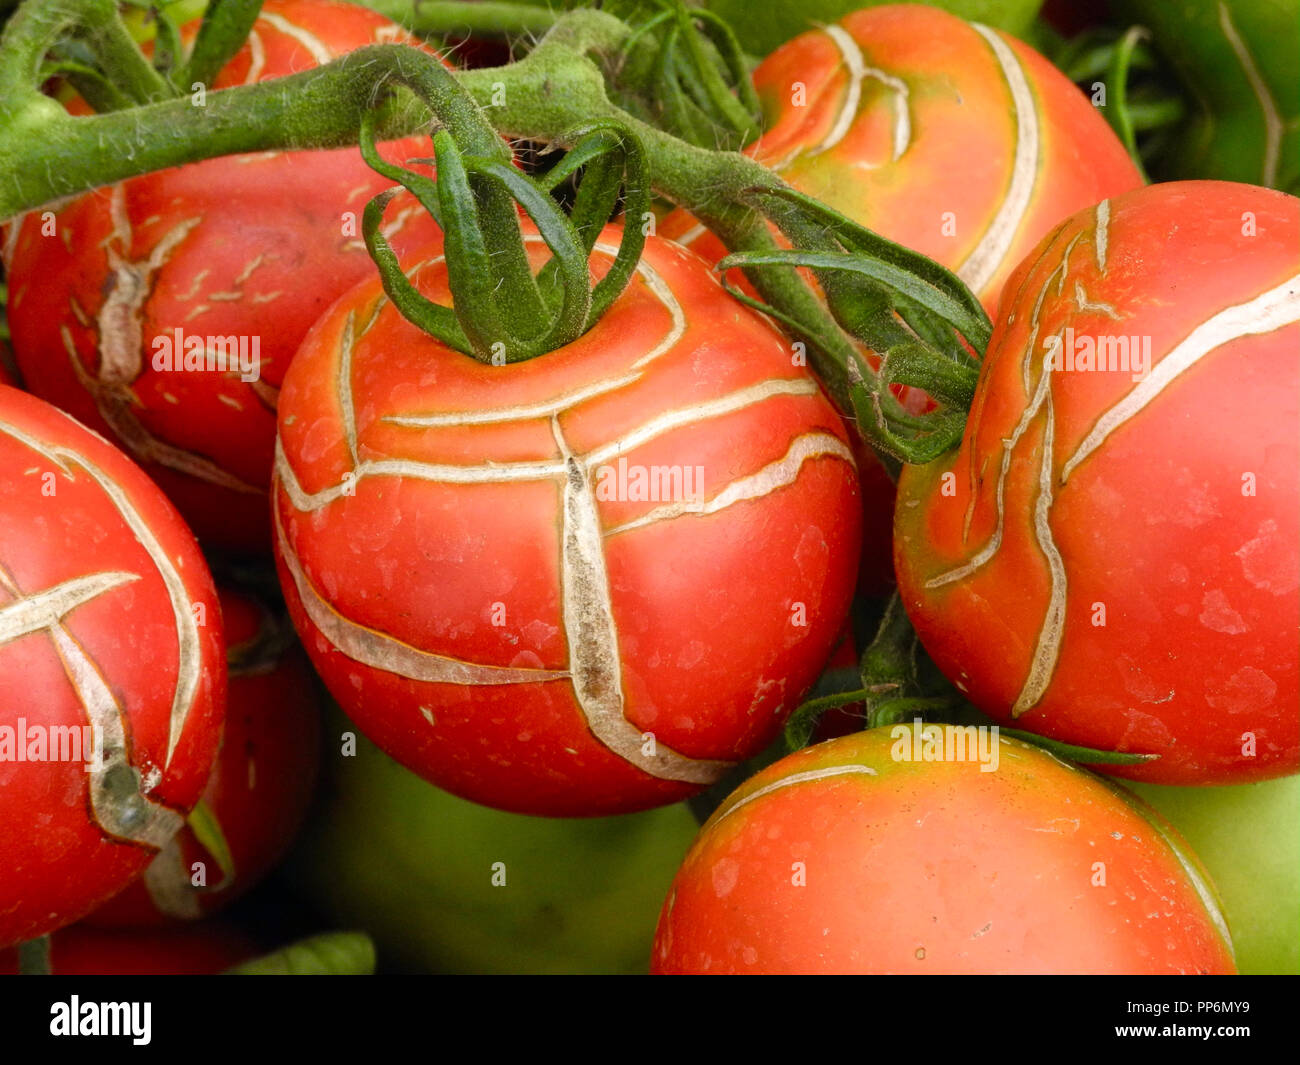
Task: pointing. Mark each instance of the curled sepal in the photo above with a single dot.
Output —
(424, 314)
(501, 312)
(905, 274)
(422, 187)
(801, 724)
(925, 326)
(1074, 753)
(686, 65)
(612, 159)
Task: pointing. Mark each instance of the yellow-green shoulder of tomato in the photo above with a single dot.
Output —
(1248, 838)
(444, 885)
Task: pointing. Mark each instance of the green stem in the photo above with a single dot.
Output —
(101, 28)
(224, 30)
(46, 154)
(460, 19)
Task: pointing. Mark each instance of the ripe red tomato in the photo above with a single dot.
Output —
(195, 950)
(847, 857)
(260, 788)
(246, 249)
(944, 135)
(1110, 556)
(110, 641)
(576, 585)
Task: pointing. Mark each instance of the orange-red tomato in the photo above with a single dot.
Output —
(858, 856)
(260, 787)
(581, 584)
(1110, 556)
(163, 311)
(949, 137)
(112, 669)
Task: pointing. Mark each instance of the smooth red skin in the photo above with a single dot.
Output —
(192, 950)
(710, 661)
(287, 207)
(933, 867)
(58, 864)
(262, 783)
(1153, 524)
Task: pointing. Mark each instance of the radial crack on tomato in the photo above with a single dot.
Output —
(537, 558)
(111, 682)
(1103, 563)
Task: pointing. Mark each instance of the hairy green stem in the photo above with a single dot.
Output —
(45, 154)
(455, 18)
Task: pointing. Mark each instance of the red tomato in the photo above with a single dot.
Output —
(248, 248)
(581, 584)
(260, 787)
(948, 137)
(196, 950)
(1110, 556)
(110, 640)
(944, 135)
(858, 856)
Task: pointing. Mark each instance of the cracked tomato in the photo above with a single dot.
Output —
(1109, 558)
(112, 669)
(582, 584)
(163, 311)
(260, 787)
(946, 136)
(895, 851)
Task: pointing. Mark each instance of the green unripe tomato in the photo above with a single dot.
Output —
(1248, 837)
(445, 885)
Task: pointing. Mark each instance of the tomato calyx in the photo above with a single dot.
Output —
(501, 311)
(684, 68)
(927, 330)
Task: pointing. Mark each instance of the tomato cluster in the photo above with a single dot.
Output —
(605, 578)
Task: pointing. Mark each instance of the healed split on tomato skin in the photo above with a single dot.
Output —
(950, 138)
(260, 787)
(1111, 561)
(946, 136)
(248, 247)
(842, 858)
(490, 599)
(108, 620)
